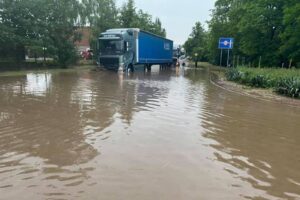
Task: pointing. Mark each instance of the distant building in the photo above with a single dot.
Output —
(84, 43)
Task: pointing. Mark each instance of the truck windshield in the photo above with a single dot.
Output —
(111, 47)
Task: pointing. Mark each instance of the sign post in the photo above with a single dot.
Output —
(225, 43)
(221, 57)
(228, 53)
(196, 60)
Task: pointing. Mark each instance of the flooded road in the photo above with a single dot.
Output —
(160, 135)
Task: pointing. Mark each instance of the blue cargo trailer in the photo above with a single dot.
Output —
(125, 49)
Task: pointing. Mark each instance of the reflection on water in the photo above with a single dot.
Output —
(37, 84)
(165, 134)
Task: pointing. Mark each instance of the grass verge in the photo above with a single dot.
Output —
(283, 81)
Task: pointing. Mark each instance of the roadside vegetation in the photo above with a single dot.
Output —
(266, 33)
(47, 28)
(283, 81)
(266, 40)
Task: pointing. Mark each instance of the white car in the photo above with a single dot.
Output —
(183, 61)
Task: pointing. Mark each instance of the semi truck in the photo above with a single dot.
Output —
(129, 48)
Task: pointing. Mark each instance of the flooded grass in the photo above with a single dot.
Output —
(283, 81)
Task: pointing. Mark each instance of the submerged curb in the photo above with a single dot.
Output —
(259, 94)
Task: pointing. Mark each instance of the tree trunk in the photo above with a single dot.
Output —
(20, 53)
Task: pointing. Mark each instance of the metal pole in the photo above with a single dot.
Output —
(290, 65)
(228, 58)
(221, 57)
(259, 62)
(44, 55)
(238, 60)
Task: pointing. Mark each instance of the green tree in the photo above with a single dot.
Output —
(60, 31)
(30, 26)
(34, 24)
(18, 26)
(291, 35)
(258, 26)
(129, 17)
(100, 15)
(197, 43)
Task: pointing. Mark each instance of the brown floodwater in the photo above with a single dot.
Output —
(168, 134)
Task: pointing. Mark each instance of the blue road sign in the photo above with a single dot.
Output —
(226, 43)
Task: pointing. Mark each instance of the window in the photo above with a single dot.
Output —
(167, 46)
(111, 47)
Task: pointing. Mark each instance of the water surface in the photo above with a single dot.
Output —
(167, 134)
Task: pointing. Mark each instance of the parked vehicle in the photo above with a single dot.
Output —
(175, 61)
(87, 54)
(178, 56)
(183, 61)
(126, 49)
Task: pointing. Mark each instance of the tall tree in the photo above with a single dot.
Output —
(130, 17)
(256, 25)
(100, 15)
(197, 43)
(291, 35)
(41, 24)
(61, 24)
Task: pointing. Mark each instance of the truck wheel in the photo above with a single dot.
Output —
(130, 68)
(148, 67)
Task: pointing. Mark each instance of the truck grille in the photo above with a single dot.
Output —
(109, 62)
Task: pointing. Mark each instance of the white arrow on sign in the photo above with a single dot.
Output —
(226, 43)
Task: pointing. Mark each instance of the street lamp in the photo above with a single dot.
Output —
(196, 60)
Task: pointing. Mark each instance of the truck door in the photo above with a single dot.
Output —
(128, 54)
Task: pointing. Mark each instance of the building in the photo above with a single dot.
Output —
(84, 43)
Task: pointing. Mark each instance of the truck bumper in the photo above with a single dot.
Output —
(121, 68)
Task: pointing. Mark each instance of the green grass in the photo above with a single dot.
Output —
(283, 81)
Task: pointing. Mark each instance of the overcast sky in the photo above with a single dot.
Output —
(178, 17)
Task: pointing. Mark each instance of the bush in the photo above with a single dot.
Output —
(284, 81)
(261, 81)
(233, 74)
(289, 87)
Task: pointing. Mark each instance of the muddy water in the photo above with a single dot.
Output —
(160, 135)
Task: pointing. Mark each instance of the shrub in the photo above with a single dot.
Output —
(233, 74)
(261, 81)
(289, 86)
(284, 81)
